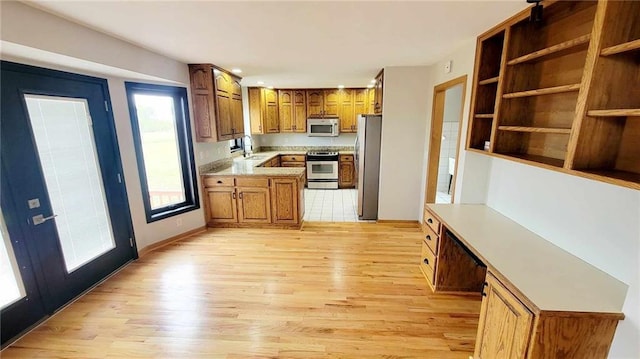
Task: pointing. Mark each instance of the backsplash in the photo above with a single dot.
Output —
(305, 148)
(303, 140)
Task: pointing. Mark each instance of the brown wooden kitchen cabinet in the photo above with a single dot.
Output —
(353, 102)
(321, 103)
(331, 102)
(217, 103)
(346, 172)
(292, 109)
(246, 201)
(377, 106)
(263, 110)
(371, 100)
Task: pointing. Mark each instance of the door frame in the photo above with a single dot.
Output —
(435, 134)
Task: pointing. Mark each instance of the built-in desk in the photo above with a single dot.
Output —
(538, 300)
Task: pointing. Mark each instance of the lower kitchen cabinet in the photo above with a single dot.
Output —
(505, 332)
(254, 205)
(221, 202)
(246, 201)
(346, 172)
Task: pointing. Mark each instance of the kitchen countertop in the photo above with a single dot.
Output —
(249, 167)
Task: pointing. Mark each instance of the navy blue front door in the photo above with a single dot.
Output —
(63, 195)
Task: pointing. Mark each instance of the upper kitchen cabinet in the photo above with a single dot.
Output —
(331, 102)
(315, 103)
(377, 106)
(292, 110)
(371, 100)
(563, 93)
(217, 103)
(353, 102)
(263, 110)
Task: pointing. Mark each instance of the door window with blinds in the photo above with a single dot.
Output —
(162, 138)
(10, 279)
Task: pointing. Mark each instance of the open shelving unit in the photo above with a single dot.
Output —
(567, 90)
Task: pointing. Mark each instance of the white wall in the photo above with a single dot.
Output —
(302, 139)
(404, 122)
(41, 39)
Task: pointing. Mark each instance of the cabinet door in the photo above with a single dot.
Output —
(284, 200)
(345, 174)
(505, 324)
(285, 110)
(315, 103)
(222, 205)
(222, 83)
(299, 111)
(372, 100)
(379, 85)
(253, 205)
(345, 112)
(271, 111)
(360, 106)
(331, 102)
(237, 118)
(202, 93)
(255, 111)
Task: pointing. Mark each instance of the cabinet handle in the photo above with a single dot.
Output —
(234, 195)
(429, 220)
(219, 181)
(484, 294)
(428, 237)
(240, 195)
(426, 261)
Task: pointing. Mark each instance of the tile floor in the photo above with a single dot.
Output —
(443, 197)
(331, 205)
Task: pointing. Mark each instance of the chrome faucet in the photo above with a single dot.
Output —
(244, 146)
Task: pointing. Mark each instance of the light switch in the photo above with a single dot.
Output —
(447, 67)
(34, 203)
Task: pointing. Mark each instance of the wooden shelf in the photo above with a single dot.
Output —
(614, 113)
(483, 115)
(544, 91)
(621, 178)
(489, 81)
(625, 47)
(554, 162)
(563, 48)
(561, 131)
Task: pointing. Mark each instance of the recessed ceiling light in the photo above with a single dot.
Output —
(236, 71)
(370, 86)
(270, 87)
(260, 82)
(373, 81)
(340, 86)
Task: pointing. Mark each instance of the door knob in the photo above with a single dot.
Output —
(40, 219)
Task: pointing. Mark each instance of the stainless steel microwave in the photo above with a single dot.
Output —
(323, 127)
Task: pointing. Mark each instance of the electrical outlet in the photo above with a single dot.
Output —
(179, 222)
(447, 67)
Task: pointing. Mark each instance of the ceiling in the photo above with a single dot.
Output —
(295, 43)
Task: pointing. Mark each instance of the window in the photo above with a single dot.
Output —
(162, 139)
(235, 144)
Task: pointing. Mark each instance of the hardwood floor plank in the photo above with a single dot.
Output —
(331, 290)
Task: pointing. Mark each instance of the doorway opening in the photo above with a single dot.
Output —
(446, 122)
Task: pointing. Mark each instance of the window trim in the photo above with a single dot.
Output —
(185, 145)
(239, 145)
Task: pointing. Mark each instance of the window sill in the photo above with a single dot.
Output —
(172, 212)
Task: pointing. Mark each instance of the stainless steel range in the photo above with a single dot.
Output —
(322, 169)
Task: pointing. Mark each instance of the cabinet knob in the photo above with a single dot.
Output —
(429, 220)
(233, 195)
(219, 181)
(484, 294)
(428, 237)
(426, 261)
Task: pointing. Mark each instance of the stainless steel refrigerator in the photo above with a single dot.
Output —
(367, 158)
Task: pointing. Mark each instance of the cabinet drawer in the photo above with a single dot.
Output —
(293, 164)
(432, 221)
(428, 262)
(293, 158)
(252, 182)
(346, 158)
(431, 239)
(218, 181)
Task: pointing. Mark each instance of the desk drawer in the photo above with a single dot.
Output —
(431, 239)
(428, 262)
(432, 221)
(293, 158)
(218, 181)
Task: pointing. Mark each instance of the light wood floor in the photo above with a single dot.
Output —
(333, 290)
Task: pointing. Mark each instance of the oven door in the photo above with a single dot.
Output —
(322, 170)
